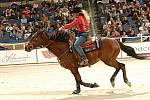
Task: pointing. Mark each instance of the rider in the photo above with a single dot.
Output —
(82, 21)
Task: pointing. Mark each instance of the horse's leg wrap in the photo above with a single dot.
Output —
(89, 84)
(78, 90)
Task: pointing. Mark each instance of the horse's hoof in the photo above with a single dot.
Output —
(76, 92)
(129, 84)
(94, 85)
(113, 84)
(112, 80)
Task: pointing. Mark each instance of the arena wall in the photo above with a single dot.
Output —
(43, 55)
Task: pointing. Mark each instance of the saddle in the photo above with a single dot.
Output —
(90, 44)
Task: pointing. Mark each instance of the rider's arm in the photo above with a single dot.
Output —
(70, 25)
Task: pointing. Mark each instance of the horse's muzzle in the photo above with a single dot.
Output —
(28, 47)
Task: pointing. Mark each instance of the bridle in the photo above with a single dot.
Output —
(36, 38)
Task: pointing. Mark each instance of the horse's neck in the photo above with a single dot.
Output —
(58, 48)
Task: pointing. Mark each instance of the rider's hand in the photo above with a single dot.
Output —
(61, 28)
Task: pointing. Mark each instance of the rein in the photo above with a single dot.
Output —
(64, 53)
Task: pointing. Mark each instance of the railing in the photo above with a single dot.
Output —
(16, 46)
(139, 38)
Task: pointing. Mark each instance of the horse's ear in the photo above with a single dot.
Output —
(28, 38)
(45, 33)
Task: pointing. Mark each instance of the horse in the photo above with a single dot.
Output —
(59, 45)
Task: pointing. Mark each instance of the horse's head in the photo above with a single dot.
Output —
(43, 39)
(38, 40)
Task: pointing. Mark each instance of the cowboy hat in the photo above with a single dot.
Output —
(76, 10)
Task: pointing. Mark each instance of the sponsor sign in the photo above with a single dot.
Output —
(44, 55)
(17, 57)
(140, 48)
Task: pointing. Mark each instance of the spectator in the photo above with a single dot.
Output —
(37, 26)
(14, 31)
(2, 30)
(50, 28)
(145, 20)
(37, 17)
(119, 27)
(30, 28)
(26, 11)
(35, 6)
(131, 32)
(44, 19)
(24, 20)
(115, 34)
(1, 12)
(58, 24)
(31, 18)
(144, 29)
(112, 26)
(65, 19)
(19, 34)
(23, 28)
(9, 29)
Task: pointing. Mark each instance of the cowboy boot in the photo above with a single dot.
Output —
(84, 61)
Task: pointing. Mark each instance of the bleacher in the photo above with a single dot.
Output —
(4, 1)
(7, 39)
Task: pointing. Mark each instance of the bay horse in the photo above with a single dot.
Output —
(59, 46)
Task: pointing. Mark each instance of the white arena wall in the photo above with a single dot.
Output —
(43, 55)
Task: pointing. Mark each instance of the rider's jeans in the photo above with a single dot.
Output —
(80, 40)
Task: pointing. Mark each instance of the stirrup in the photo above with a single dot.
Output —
(85, 62)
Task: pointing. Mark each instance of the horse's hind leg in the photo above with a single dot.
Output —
(117, 65)
(122, 67)
(112, 79)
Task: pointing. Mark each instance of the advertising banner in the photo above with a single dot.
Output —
(44, 55)
(140, 48)
(17, 57)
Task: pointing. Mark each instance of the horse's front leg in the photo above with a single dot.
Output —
(79, 81)
(78, 89)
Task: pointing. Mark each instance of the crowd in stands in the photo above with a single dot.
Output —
(116, 19)
(124, 18)
(19, 21)
(3, 1)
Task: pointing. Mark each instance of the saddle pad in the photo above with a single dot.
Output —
(87, 47)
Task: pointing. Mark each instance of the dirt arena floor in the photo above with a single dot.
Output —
(52, 82)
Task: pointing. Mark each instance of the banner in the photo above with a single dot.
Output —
(44, 55)
(140, 48)
(17, 57)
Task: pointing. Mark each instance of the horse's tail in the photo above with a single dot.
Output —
(130, 51)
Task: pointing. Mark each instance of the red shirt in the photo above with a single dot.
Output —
(26, 12)
(81, 23)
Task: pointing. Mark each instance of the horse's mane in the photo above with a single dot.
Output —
(59, 36)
